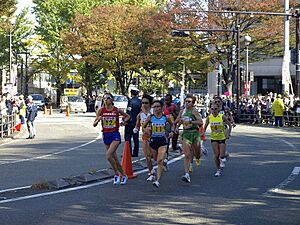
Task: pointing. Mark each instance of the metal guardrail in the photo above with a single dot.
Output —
(288, 119)
(7, 125)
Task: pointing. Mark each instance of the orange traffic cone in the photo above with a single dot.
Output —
(126, 162)
(67, 111)
(203, 138)
(18, 127)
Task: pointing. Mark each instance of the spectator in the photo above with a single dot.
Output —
(278, 111)
(133, 109)
(31, 113)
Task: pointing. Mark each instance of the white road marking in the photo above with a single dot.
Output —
(76, 188)
(284, 183)
(54, 153)
(290, 144)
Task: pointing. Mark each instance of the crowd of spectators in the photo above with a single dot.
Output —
(257, 109)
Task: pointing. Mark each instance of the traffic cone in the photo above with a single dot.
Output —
(67, 111)
(18, 127)
(126, 162)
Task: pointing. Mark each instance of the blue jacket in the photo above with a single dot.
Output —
(133, 109)
(31, 111)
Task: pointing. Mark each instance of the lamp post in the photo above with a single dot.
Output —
(247, 40)
(297, 15)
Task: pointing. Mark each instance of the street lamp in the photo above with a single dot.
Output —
(247, 40)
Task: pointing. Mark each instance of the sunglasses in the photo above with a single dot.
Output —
(107, 98)
(218, 101)
(188, 101)
(214, 108)
(145, 102)
(156, 106)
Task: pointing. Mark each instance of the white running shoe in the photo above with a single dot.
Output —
(186, 178)
(156, 184)
(116, 180)
(124, 180)
(218, 173)
(151, 178)
(222, 163)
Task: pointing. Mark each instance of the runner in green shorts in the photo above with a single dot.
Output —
(190, 118)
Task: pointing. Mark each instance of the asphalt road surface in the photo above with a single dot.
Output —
(259, 185)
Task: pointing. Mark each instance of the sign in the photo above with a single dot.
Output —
(247, 88)
(251, 73)
(71, 92)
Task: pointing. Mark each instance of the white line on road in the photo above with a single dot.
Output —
(285, 183)
(76, 188)
(290, 144)
(52, 154)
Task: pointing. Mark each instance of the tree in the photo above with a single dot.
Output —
(266, 31)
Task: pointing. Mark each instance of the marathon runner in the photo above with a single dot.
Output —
(218, 137)
(140, 120)
(108, 114)
(159, 139)
(191, 120)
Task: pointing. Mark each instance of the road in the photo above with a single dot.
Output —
(259, 185)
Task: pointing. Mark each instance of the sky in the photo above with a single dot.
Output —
(22, 4)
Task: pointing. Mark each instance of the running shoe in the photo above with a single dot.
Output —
(191, 168)
(222, 163)
(151, 177)
(124, 180)
(156, 184)
(116, 180)
(186, 178)
(198, 162)
(218, 173)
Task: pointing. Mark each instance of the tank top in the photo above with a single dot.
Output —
(143, 117)
(217, 127)
(110, 120)
(188, 116)
(158, 126)
(169, 113)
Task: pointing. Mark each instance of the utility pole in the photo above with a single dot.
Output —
(297, 14)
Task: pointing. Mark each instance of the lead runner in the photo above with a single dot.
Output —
(108, 114)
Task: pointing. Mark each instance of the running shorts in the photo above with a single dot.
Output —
(191, 137)
(157, 142)
(109, 137)
(219, 141)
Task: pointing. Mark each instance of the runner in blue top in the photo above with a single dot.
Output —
(159, 139)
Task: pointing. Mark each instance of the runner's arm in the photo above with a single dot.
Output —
(228, 123)
(205, 125)
(126, 117)
(98, 117)
(198, 120)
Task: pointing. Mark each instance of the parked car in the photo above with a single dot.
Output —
(75, 103)
(39, 100)
(120, 101)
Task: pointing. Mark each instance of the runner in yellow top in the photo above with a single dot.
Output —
(218, 136)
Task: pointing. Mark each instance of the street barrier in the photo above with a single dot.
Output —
(7, 125)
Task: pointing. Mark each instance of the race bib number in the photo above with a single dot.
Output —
(158, 129)
(215, 127)
(109, 122)
(186, 122)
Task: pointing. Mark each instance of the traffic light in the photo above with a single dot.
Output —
(233, 59)
(243, 73)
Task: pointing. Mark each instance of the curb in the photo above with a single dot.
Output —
(74, 181)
